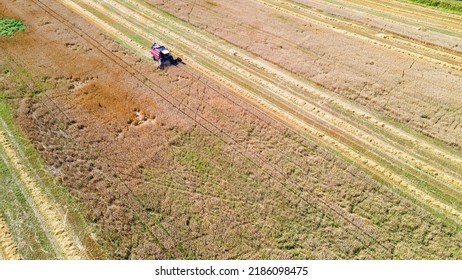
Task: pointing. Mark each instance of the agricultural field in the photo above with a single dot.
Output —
(294, 129)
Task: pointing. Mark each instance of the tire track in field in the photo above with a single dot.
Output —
(392, 41)
(53, 220)
(8, 249)
(334, 137)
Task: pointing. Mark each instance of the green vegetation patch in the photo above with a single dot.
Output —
(213, 4)
(9, 26)
(449, 5)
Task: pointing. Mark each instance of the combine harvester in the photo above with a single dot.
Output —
(162, 55)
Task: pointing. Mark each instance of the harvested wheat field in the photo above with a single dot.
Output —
(293, 129)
